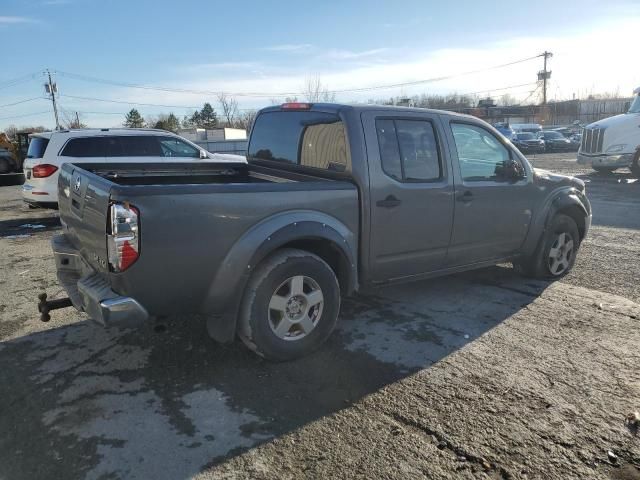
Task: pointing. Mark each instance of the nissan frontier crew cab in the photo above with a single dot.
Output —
(333, 198)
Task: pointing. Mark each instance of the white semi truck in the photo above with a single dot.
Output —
(613, 142)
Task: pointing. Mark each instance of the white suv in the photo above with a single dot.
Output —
(49, 150)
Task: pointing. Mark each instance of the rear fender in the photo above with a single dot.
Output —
(222, 303)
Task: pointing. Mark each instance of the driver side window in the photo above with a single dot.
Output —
(173, 147)
(481, 155)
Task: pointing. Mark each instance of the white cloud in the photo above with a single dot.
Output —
(594, 60)
(289, 47)
(351, 55)
(10, 20)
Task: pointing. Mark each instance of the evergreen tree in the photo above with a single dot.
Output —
(133, 119)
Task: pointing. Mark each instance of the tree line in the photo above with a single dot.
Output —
(207, 117)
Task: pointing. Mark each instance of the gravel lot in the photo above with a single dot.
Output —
(478, 375)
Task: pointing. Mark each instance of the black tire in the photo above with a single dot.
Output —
(540, 264)
(635, 164)
(5, 166)
(256, 326)
(603, 170)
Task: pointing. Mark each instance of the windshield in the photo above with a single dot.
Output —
(525, 136)
(635, 106)
(553, 135)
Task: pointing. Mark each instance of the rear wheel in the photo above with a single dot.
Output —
(557, 251)
(290, 306)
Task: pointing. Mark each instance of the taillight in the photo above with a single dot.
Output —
(44, 170)
(123, 239)
(295, 106)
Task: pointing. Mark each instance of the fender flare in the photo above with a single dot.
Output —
(224, 297)
(560, 200)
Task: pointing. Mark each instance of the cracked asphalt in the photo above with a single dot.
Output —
(478, 375)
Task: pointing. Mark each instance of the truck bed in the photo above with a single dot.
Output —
(193, 220)
(192, 174)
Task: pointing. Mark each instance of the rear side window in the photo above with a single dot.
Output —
(84, 147)
(310, 139)
(136, 146)
(409, 150)
(37, 146)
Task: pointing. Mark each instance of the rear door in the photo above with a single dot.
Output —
(492, 212)
(411, 191)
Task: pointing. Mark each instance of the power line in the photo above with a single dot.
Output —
(136, 103)
(18, 80)
(22, 101)
(286, 94)
(25, 115)
(127, 103)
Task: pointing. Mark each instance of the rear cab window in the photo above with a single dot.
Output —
(37, 147)
(306, 138)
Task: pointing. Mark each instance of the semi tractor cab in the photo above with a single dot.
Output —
(613, 142)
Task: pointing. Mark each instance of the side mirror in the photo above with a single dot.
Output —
(203, 155)
(513, 170)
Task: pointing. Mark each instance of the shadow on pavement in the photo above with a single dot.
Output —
(82, 401)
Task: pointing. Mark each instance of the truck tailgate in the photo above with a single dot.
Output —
(83, 200)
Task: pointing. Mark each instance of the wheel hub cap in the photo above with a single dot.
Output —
(295, 308)
(560, 254)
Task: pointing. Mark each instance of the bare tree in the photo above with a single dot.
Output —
(245, 119)
(315, 91)
(229, 107)
(506, 100)
(72, 120)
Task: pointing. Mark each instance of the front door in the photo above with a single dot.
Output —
(492, 212)
(411, 194)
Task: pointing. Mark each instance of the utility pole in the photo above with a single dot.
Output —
(77, 121)
(51, 88)
(545, 75)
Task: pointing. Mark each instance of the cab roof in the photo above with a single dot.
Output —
(361, 107)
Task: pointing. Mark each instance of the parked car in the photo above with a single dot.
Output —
(48, 151)
(613, 142)
(506, 130)
(334, 198)
(529, 143)
(534, 128)
(556, 142)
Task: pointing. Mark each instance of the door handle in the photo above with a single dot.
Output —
(466, 197)
(389, 202)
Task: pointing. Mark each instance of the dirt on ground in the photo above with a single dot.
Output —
(479, 375)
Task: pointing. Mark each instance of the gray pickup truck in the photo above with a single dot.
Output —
(334, 198)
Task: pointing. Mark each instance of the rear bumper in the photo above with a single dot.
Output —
(90, 291)
(619, 160)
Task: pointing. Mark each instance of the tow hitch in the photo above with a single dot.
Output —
(44, 306)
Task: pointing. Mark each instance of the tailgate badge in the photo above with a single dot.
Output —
(76, 187)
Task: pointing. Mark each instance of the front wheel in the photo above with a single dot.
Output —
(557, 251)
(290, 306)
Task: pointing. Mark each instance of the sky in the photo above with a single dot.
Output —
(271, 48)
